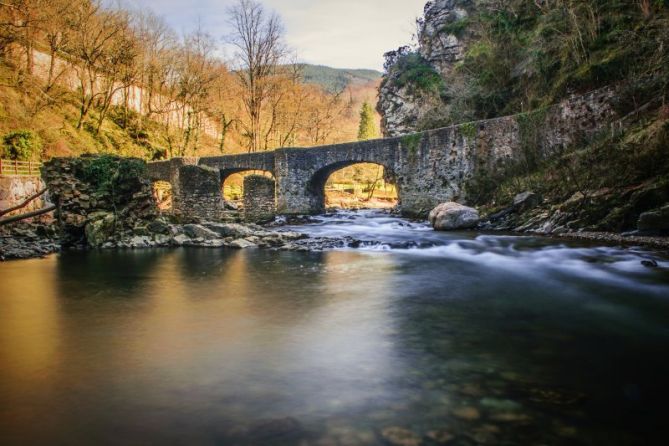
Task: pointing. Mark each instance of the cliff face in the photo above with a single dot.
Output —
(441, 36)
(442, 39)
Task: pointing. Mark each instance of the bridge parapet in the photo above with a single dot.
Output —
(229, 164)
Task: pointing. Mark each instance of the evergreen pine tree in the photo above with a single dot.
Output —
(367, 129)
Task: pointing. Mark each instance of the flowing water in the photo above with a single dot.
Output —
(415, 337)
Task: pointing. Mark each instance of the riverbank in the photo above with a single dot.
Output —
(27, 241)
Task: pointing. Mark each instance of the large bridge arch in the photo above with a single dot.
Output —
(302, 173)
(316, 185)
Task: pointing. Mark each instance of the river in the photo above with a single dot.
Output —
(413, 337)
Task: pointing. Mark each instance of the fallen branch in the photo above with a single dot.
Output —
(32, 214)
(23, 204)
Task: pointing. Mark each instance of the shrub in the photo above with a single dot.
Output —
(21, 145)
(418, 74)
(113, 175)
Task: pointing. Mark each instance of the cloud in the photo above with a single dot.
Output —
(338, 33)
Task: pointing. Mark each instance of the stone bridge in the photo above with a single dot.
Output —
(427, 168)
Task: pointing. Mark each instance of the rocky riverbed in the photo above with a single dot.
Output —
(28, 240)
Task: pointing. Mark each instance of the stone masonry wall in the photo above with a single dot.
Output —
(259, 199)
(98, 197)
(14, 190)
(196, 193)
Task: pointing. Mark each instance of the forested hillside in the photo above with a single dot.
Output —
(78, 77)
(336, 79)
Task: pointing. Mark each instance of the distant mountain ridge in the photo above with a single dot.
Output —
(334, 79)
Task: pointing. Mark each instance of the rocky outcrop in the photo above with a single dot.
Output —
(442, 42)
(441, 36)
(205, 235)
(451, 216)
(399, 107)
(606, 211)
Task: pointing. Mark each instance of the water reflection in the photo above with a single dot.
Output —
(200, 346)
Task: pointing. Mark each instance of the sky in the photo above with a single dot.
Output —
(337, 33)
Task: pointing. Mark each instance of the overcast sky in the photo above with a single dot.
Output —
(338, 33)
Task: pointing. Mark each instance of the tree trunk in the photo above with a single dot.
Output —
(15, 218)
(23, 204)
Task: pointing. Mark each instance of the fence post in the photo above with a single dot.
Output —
(0, 166)
(16, 167)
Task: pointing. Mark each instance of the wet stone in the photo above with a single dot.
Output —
(440, 436)
(399, 436)
(467, 413)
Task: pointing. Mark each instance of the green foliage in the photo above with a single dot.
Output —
(617, 176)
(22, 145)
(412, 142)
(456, 27)
(110, 174)
(336, 79)
(528, 55)
(367, 128)
(468, 130)
(530, 127)
(416, 73)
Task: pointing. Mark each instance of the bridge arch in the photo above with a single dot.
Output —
(316, 186)
(237, 188)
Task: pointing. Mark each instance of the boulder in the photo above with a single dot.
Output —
(198, 231)
(230, 206)
(231, 229)
(180, 239)
(158, 227)
(655, 222)
(99, 229)
(241, 244)
(526, 200)
(450, 216)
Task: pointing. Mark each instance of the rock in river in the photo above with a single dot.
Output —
(450, 216)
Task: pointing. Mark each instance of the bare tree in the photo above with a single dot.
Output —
(156, 59)
(118, 69)
(258, 38)
(93, 39)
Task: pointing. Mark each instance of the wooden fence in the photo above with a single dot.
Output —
(20, 168)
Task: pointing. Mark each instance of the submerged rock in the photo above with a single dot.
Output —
(440, 436)
(468, 413)
(450, 216)
(399, 436)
